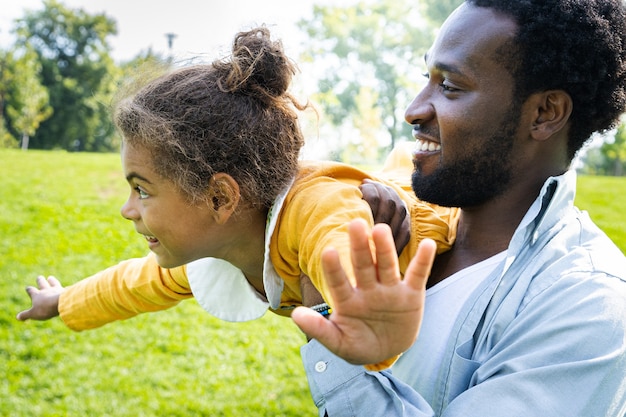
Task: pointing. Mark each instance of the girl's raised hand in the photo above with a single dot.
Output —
(44, 298)
(380, 317)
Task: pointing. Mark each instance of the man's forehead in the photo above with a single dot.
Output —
(468, 35)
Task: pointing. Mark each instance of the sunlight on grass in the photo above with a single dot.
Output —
(59, 215)
(605, 198)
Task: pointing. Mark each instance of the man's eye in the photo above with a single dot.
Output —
(142, 194)
(448, 88)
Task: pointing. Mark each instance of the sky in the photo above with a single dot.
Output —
(203, 28)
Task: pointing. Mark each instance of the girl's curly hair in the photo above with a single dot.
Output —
(233, 116)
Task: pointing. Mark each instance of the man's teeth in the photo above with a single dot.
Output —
(150, 237)
(427, 146)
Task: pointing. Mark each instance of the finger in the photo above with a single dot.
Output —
(402, 239)
(338, 283)
(399, 219)
(313, 324)
(417, 273)
(386, 255)
(42, 282)
(30, 290)
(24, 315)
(363, 262)
(387, 209)
(53, 281)
(372, 197)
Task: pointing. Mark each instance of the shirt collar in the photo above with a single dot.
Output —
(557, 194)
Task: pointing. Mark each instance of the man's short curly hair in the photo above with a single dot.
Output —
(573, 45)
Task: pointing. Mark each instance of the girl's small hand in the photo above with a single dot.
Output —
(45, 299)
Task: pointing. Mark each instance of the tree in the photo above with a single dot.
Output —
(6, 139)
(76, 66)
(614, 152)
(28, 101)
(609, 158)
(377, 45)
(437, 11)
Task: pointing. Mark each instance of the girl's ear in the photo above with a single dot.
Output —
(552, 112)
(223, 196)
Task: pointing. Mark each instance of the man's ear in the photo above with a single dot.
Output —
(553, 109)
(224, 196)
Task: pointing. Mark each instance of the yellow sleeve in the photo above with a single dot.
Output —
(315, 216)
(120, 292)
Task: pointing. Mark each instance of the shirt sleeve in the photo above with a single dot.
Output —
(120, 292)
(341, 389)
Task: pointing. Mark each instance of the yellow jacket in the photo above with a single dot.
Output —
(314, 214)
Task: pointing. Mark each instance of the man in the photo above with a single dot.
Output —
(526, 314)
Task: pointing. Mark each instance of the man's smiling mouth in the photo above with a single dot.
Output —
(426, 146)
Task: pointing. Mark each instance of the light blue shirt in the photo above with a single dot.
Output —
(543, 335)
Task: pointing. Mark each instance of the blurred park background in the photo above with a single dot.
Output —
(360, 64)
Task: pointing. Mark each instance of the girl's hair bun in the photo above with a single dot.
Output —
(258, 66)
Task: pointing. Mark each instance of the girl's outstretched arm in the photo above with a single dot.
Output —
(380, 317)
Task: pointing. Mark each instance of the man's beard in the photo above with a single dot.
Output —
(476, 177)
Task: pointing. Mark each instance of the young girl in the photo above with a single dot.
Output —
(232, 218)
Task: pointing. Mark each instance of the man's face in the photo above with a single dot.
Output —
(465, 120)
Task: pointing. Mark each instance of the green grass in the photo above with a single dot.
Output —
(605, 198)
(59, 215)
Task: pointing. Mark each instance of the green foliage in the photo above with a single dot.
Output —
(59, 215)
(6, 139)
(371, 45)
(610, 157)
(376, 45)
(76, 69)
(438, 10)
(614, 152)
(28, 100)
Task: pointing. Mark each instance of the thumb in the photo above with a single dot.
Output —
(418, 272)
(26, 314)
(313, 324)
(23, 315)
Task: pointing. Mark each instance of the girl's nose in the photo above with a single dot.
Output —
(128, 211)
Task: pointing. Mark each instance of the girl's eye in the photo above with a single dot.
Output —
(142, 194)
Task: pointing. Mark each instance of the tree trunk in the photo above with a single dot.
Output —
(25, 140)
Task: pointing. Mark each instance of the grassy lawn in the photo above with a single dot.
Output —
(605, 198)
(59, 215)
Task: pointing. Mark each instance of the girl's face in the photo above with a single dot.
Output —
(176, 231)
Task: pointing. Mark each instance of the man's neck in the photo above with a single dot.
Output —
(482, 232)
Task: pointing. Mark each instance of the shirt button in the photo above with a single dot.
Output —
(320, 366)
